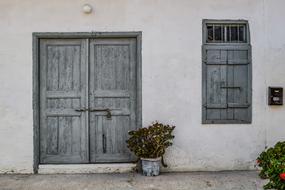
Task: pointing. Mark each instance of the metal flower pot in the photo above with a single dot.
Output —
(150, 166)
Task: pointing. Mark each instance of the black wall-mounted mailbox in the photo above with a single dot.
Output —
(275, 96)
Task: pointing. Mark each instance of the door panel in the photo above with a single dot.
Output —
(63, 131)
(112, 85)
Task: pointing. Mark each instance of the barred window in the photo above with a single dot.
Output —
(226, 33)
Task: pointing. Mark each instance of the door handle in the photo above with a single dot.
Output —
(109, 115)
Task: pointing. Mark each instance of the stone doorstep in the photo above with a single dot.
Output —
(85, 168)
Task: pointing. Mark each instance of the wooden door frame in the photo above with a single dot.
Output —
(77, 35)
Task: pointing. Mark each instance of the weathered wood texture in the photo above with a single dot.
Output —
(36, 103)
(63, 131)
(91, 73)
(112, 86)
(226, 84)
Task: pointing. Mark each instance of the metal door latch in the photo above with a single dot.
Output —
(109, 115)
(238, 87)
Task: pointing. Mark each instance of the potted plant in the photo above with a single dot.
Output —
(149, 145)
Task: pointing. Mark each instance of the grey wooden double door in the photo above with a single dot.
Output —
(87, 99)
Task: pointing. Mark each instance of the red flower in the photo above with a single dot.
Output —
(258, 161)
(282, 176)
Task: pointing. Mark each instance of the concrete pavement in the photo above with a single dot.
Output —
(235, 180)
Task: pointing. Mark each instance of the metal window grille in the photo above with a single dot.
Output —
(226, 33)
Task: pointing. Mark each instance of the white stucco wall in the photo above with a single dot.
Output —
(171, 55)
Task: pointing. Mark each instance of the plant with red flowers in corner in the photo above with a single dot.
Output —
(282, 176)
(272, 162)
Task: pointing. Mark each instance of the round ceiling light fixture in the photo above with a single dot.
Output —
(87, 9)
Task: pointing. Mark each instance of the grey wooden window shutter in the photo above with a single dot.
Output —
(226, 83)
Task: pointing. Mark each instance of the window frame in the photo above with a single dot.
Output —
(222, 22)
(225, 45)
